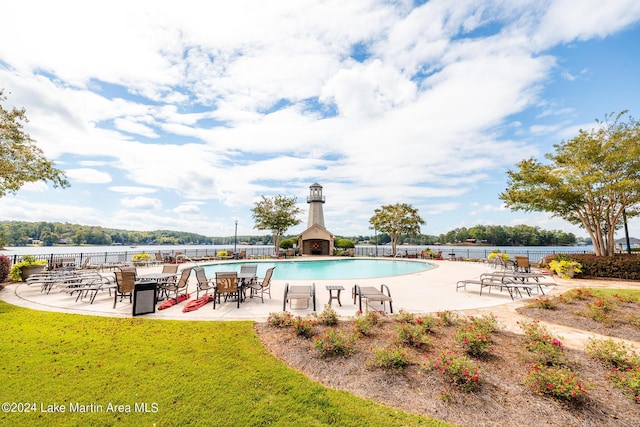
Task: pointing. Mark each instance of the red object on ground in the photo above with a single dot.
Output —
(171, 301)
(197, 303)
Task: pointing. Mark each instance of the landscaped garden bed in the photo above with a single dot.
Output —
(465, 371)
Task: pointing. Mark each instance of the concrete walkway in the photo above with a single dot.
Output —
(425, 292)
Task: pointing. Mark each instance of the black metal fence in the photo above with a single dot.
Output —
(448, 252)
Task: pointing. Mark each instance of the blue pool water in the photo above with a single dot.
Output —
(327, 269)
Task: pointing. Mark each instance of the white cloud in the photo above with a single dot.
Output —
(89, 176)
(141, 202)
(208, 103)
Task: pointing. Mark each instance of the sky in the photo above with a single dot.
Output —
(182, 115)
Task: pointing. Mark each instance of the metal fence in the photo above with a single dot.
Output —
(105, 258)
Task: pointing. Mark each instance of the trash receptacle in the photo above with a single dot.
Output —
(144, 298)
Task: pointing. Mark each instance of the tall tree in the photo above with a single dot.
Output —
(395, 220)
(276, 214)
(590, 180)
(21, 161)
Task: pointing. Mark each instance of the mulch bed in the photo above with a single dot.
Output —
(502, 398)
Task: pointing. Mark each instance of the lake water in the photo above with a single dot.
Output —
(103, 254)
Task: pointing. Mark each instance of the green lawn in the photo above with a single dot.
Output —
(186, 373)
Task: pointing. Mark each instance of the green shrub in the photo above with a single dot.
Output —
(283, 319)
(328, 317)
(611, 353)
(5, 267)
(333, 343)
(288, 243)
(364, 323)
(448, 317)
(545, 348)
(404, 317)
(627, 380)
(619, 266)
(303, 326)
(544, 303)
(557, 382)
(411, 335)
(459, 370)
(344, 243)
(391, 357)
(222, 253)
(428, 323)
(600, 310)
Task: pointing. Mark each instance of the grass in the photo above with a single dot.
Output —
(187, 373)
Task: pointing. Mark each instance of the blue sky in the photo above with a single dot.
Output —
(181, 115)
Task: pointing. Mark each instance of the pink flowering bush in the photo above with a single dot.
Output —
(303, 326)
(391, 357)
(283, 319)
(333, 343)
(459, 370)
(412, 335)
(545, 349)
(557, 382)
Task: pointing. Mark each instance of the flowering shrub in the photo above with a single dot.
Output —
(473, 335)
(544, 303)
(611, 353)
(473, 341)
(461, 371)
(557, 382)
(404, 317)
(5, 267)
(303, 326)
(280, 320)
(600, 310)
(364, 323)
(328, 316)
(627, 380)
(395, 358)
(428, 323)
(575, 294)
(333, 343)
(634, 320)
(448, 317)
(412, 335)
(546, 349)
(485, 323)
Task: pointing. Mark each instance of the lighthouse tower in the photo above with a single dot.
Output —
(315, 200)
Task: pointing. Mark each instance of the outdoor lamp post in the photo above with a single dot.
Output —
(235, 238)
(375, 233)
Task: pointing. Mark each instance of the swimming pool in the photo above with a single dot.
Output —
(327, 269)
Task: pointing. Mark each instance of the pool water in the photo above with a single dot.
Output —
(327, 269)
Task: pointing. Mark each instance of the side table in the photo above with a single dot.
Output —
(336, 297)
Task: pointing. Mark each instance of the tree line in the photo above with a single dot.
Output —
(21, 233)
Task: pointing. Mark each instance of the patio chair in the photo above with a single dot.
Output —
(92, 287)
(125, 281)
(522, 264)
(176, 288)
(204, 284)
(264, 285)
(372, 294)
(299, 292)
(227, 284)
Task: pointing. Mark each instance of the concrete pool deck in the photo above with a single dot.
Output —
(423, 292)
(428, 291)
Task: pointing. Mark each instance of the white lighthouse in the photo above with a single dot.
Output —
(315, 240)
(315, 200)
